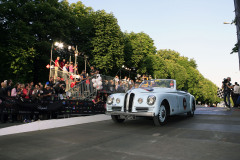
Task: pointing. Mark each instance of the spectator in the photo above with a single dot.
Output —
(97, 74)
(68, 66)
(131, 84)
(150, 77)
(124, 81)
(62, 64)
(105, 85)
(71, 68)
(9, 87)
(51, 82)
(47, 93)
(116, 79)
(61, 91)
(40, 84)
(92, 71)
(25, 91)
(227, 86)
(235, 94)
(35, 92)
(31, 86)
(65, 72)
(83, 75)
(57, 89)
(3, 91)
(120, 88)
(56, 68)
(112, 86)
(14, 91)
(40, 92)
(144, 77)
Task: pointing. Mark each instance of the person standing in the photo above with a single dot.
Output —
(92, 71)
(71, 68)
(9, 87)
(15, 90)
(62, 64)
(83, 75)
(227, 86)
(3, 91)
(235, 94)
(56, 68)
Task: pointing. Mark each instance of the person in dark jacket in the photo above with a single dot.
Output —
(227, 87)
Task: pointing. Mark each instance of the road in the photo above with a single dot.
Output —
(213, 133)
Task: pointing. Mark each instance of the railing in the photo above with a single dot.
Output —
(89, 88)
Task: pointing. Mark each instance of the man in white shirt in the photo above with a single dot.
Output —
(236, 93)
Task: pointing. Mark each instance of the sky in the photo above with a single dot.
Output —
(195, 29)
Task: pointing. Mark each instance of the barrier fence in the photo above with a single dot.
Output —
(89, 88)
(12, 109)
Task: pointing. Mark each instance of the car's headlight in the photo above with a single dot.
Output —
(140, 100)
(118, 100)
(151, 100)
(110, 100)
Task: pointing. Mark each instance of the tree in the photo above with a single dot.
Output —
(37, 24)
(137, 48)
(107, 43)
(169, 64)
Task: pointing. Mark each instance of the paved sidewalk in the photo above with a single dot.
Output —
(53, 123)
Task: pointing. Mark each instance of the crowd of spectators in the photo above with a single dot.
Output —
(32, 91)
(65, 76)
(232, 91)
(57, 89)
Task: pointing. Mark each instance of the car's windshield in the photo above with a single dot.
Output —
(162, 83)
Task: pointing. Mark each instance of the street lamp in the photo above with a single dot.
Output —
(60, 45)
(69, 49)
(76, 54)
(227, 23)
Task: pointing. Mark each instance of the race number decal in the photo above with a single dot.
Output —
(184, 103)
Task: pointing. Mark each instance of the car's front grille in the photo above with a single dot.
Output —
(131, 102)
(128, 102)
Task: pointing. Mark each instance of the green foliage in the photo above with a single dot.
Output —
(235, 48)
(107, 43)
(169, 64)
(22, 63)
(138, 46)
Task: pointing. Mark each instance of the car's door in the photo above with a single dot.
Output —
(183, 101)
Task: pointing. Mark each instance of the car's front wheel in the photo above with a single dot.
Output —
(116, 119)
(162, 116)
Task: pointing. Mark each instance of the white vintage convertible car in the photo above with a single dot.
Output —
(156, 98)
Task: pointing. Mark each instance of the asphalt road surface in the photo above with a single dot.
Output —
(213, 133)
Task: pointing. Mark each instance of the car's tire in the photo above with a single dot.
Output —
(191, 113)
(162, 117)
(116, 119)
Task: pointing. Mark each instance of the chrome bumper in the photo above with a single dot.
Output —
(141, 114)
